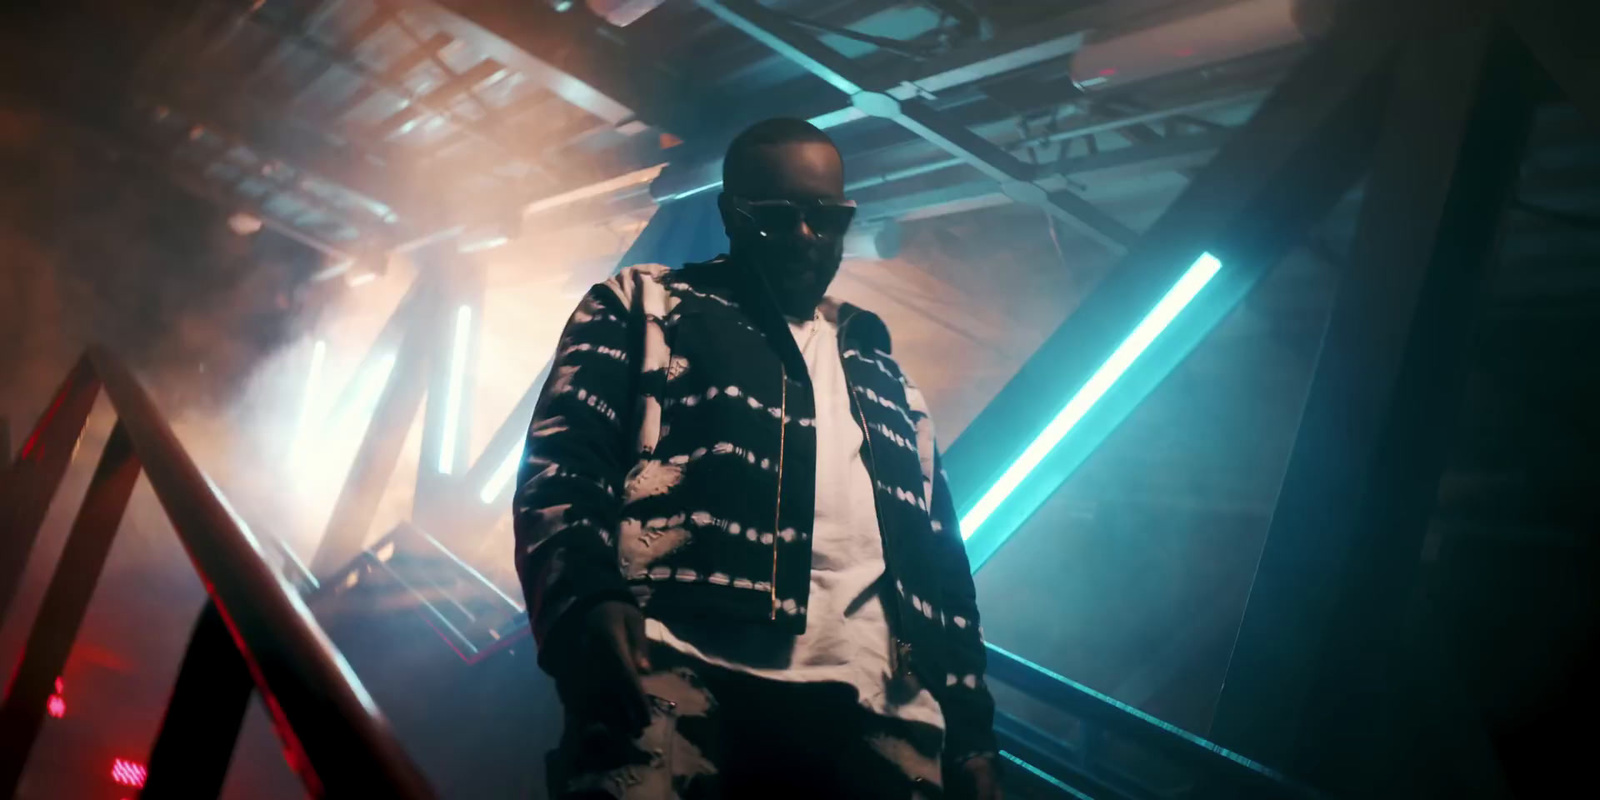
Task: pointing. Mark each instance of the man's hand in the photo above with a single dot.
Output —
(615, 654)
(975, 779)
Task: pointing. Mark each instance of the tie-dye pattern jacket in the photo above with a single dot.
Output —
(671, 463)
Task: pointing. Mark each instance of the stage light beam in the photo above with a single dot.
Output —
(319, 354)
(502, 475)
(452, 403)
(1162, 315)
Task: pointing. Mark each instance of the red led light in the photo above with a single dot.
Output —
(1185, 52)
(128, 773)
(56, 706)
(44, 423)
(1108, 72)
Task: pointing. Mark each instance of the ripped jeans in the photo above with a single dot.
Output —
(715, 734)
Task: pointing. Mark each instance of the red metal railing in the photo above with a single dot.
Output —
(254, 633)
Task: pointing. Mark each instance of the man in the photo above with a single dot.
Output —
(742, 564)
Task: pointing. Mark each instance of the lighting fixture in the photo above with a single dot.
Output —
(502, 475)
(319, 354)
(128, 773)
(1162, 315)
(486, 243)
(452, 403)
(244, 224)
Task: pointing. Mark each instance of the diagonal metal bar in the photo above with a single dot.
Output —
(61, 613)
(1011, 51)
(510, 434)
(958, 140)
(1171, 147)
(395, 72)
(1016, 178)
(379, 451)
(33, 478)
(436, 104)
(896, 46)
(332, 732)
(1007, 52)
(274, 137)
(571, 56)
(476, 77)
(779, 35)
(1561, 35)
(201, 725)
(1213, 765)
(1316, 655)
(409, 313)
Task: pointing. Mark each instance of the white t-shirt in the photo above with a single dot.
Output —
(847, 637)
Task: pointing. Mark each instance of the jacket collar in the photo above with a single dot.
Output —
(857, 326)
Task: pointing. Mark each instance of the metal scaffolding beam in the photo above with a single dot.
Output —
(1016, 178)
(1318, 679)
(568, 55)
(1561, 35)
(1281, 172)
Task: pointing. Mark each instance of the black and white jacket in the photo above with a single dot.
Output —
(671, 462)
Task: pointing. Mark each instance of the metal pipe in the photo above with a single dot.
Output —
(36, 473)
(201, 725)
(61, 613)
(1143, 119)
(327, 720)
(902, 174)
(887, 45)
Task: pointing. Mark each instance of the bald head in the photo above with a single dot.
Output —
(788, 159)
(782, 206)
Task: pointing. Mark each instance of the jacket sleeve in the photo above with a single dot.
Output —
(963, 695)
(567, 502)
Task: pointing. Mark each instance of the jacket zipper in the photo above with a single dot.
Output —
(777, 514)
(897, 649)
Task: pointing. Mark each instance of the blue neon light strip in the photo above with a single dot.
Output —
(1165, 311)
(1254, 766)
(1044, 776)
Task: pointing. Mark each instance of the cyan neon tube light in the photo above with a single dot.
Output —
(1165, 311)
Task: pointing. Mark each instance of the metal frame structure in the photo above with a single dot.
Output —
(254, 631)
(1304, 149)
(1311, 682)
(1016, 179)
(1433, 97)
(436, 103)
(1282, 172)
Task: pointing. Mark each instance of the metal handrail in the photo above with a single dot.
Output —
(333, 734)
(1210, 761)
(507, 632)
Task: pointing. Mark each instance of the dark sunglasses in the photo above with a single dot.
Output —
(827, 218)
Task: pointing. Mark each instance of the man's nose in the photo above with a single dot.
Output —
(803, 229)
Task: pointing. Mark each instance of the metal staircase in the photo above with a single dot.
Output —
(406, 577)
